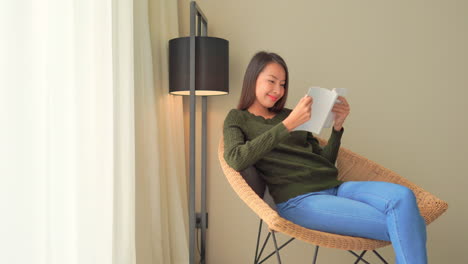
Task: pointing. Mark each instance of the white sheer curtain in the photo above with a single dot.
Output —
(162, 217)
(67, 132)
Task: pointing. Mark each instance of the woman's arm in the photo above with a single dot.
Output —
(330, 151)
(240, 153)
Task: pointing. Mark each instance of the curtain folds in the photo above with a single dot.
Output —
(67, 103)
(92, 149)
(162, 209)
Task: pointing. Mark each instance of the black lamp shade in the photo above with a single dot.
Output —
(211, 66)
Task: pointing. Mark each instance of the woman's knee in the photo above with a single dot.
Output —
(402, 193)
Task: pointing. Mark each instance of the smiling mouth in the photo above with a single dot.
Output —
(273, 98)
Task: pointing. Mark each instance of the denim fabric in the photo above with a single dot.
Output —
(370, 209)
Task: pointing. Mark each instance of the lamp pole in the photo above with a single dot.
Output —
(198, 66)
(195, 12)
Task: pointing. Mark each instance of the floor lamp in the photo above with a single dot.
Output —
(198, 66)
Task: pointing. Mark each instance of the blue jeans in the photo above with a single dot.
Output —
(371, 209)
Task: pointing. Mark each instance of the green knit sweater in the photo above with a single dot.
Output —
(291, 163)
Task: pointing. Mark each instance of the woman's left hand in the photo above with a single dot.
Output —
(341, 111)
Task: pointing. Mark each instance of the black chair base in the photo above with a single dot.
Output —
(258, 255)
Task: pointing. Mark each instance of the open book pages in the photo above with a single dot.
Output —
(324, 99)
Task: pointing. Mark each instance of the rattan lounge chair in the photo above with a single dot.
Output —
(352, 167)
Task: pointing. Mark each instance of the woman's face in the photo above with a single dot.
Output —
(270, 85)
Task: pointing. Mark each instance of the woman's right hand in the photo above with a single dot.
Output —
(300, 114)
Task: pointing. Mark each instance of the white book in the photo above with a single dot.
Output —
(323, 101)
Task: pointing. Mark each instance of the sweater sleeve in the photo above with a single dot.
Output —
(330, 151)
(240, 153)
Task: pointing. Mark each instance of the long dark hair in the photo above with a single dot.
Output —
(255, 67)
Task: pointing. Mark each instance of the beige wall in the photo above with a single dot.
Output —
(405, 65)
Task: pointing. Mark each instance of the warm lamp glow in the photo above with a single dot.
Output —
(200, 93)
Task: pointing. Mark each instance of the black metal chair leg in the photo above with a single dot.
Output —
(380, 257)
(263, 247)
(360, 257)
(276, 247)
(315, 255)
(357, 256)
(258, 240)
(274, 252)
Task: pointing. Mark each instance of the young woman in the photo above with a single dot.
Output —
(301, 175)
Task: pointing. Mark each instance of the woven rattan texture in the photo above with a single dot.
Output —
(352, 167)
